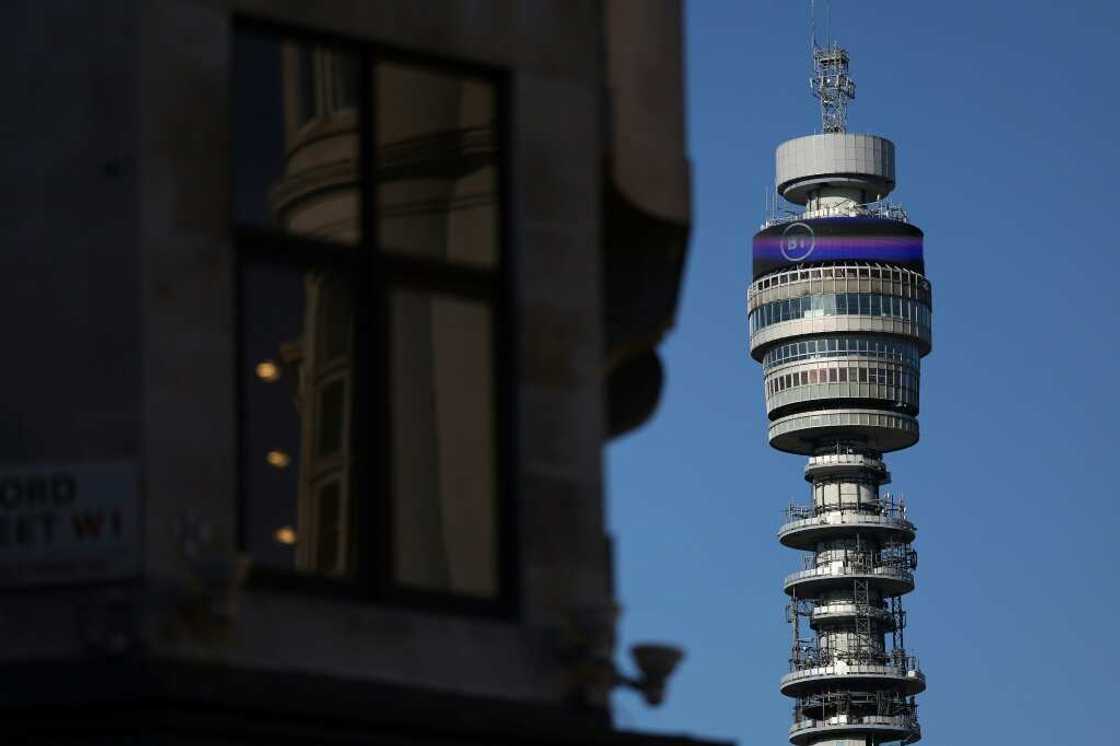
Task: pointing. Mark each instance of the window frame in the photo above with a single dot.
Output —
(378, 274)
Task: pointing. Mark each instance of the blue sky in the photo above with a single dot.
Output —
(1005, 118)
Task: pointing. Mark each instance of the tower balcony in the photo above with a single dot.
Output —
(842, 463)
(901, 673)
(878, 728)
(876, 429)
(889, 580)
(916, 330)
(806, 528)
(837, 612)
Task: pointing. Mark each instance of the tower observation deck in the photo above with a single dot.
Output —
(840, 317)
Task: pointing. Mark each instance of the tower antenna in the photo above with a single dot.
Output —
(829, 80)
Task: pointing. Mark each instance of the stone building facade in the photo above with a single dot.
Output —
(320, 315)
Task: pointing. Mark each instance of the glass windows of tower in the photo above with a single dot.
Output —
(898, 379)
(886, 348)
(839, 304)
(854, 273)
(373, 426)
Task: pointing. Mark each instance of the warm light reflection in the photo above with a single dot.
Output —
(278, 458)
(285, 535)
(268, 371)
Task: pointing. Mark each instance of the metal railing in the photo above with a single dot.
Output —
(883, 209)
(809, 656)
(901, 557)
(887, 506)
(901, 721)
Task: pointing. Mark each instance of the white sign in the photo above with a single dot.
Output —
(68, 523)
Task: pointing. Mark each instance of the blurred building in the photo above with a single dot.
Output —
(319, 317)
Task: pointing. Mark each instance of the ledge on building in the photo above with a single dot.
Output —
(89, 702)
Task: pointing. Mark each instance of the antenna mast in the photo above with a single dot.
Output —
(830, 82)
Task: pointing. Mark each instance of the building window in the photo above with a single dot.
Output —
(373, 365)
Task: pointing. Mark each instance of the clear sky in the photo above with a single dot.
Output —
(1005, 116)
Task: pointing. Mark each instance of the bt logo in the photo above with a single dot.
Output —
(798, 242)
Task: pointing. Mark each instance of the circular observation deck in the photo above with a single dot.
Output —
(843, 299)
(806, 322)
(826, 465)
(835, 161)
(878, 430)
(857, 676)
(806, 532)
(880, 728)
(887, 579)
(839, 612)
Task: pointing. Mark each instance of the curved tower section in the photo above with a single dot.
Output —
(840, 318)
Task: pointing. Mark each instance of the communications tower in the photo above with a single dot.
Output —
(840, 318)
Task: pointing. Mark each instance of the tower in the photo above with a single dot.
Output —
(840, 317)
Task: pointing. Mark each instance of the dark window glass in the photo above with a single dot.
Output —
(296, 424)
(332, 298)
(371, 420)
(444, 517)
(307, 94)
(272, 315)
(344, 74)
(331, 418)
(295, 427)
(289, 176)
(437, 178)
(329, 529)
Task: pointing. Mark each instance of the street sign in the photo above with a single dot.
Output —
(68, 523)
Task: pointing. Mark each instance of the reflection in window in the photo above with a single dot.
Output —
(444, 514)
(427, 351)
(344, 76)
(437, 177)
(330, 536)
(331, 418)
(296, 137)
(306, 99)
(301, 411)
